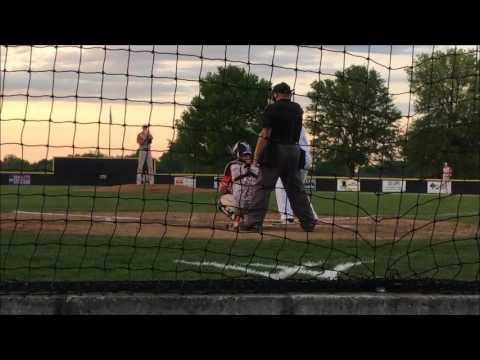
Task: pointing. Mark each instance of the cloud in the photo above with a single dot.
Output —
(120, 71)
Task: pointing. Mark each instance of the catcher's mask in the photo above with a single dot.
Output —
(241, 148)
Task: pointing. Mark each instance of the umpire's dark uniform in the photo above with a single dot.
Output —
(281, 158)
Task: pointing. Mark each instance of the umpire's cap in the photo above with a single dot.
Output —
(282, 88)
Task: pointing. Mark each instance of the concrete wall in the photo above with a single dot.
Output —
(347, 304)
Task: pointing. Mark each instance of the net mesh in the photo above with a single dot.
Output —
(84, 198)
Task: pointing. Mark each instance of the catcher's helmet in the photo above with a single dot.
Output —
(241, 148)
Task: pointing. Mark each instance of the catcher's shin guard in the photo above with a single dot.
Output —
(226, 204)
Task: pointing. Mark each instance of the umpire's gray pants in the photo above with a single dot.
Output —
(285, 166)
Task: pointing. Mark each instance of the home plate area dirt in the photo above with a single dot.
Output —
(215, 226)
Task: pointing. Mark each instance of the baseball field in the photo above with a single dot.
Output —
(154, 232)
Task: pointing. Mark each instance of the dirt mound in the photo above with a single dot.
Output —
(157, 188)
(213, 226)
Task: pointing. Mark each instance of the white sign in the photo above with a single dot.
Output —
(394, 186)
(439, 187)
(310, 184)
(217, 180)
(19, 179)
(185, 181)
(348, 185)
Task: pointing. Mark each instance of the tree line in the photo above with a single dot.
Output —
(355, 125)
(14, 163)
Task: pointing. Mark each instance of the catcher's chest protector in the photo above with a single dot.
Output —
(243, 178)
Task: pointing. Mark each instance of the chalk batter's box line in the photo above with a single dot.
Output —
(218, 226)
(323, 220)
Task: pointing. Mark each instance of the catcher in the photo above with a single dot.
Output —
(237, 185)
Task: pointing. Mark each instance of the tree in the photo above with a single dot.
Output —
(13, 163)
(43, 165)
(353, 118)
(447, 103)
(170, 161)
(96, 153)
(228, 109)
(129, 156)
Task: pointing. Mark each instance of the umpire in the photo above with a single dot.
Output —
(278, 155)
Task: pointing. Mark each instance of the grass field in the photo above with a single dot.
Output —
(464, 208)
(46, 255)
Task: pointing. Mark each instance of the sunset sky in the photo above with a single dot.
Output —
(84, 122)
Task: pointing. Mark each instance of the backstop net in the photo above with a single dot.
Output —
(114, 164)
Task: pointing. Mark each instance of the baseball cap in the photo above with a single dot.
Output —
(282, 88)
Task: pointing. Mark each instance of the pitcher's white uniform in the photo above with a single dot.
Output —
(144, 140)
(283, 204)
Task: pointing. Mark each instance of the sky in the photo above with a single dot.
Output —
(78, 98)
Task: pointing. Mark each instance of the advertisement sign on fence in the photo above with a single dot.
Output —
(439, 187)
(394, 186)
(188, 181)
(310, 183)
(19, 179)
(216, 181)
(348, 185)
